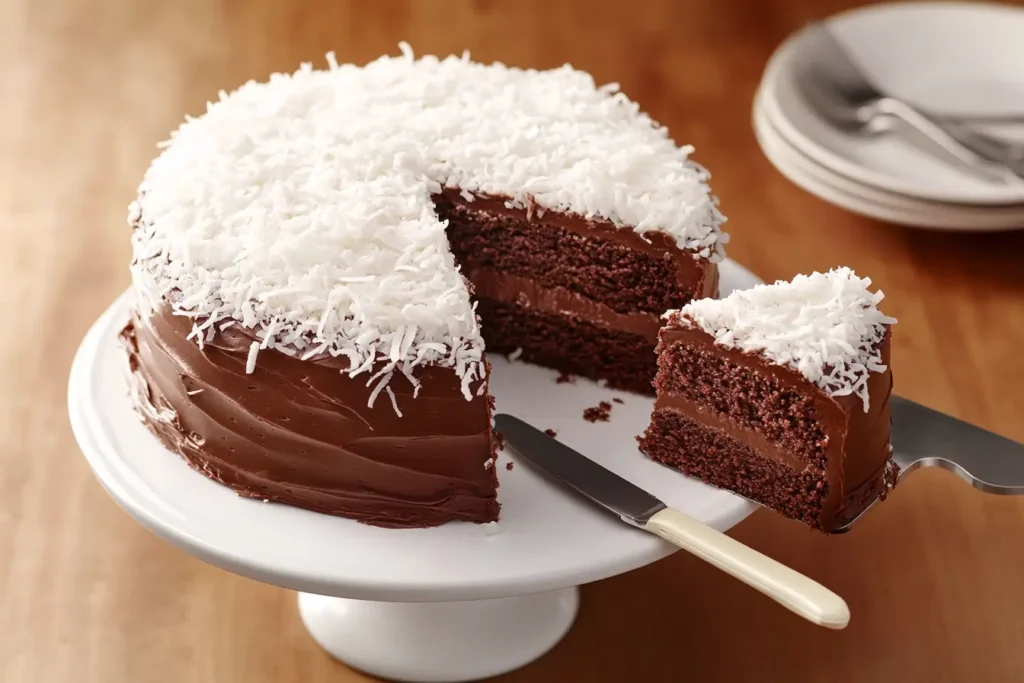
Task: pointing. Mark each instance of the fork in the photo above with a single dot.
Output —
(838, 89)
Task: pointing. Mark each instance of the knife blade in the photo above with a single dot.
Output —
(630, 502)
(635, 506)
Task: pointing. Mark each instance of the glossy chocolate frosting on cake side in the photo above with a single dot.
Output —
(300, 432)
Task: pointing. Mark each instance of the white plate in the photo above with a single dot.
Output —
(956, 58)
(870, 201)
(547, 538)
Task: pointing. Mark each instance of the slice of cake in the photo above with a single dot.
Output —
(781, 394)
(320, 262)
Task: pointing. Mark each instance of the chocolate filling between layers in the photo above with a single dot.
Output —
(559, 301)
(740, 422)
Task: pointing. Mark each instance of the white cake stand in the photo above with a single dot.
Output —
(454, 603)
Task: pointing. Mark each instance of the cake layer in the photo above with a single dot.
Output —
(767, 432)
(624, 360)
(302, 433)
(617, 267)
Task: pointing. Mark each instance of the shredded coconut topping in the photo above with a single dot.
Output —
(825, 326)
(301, 207)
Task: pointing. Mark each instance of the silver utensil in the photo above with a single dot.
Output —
(837, 88)
(635, 506)
(922, 437)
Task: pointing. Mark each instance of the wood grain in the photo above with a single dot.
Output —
(87, 88)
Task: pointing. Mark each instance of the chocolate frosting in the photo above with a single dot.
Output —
(858, 452)
(300, 432)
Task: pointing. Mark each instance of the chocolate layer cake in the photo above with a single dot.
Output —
(781, 394)
(320, 262)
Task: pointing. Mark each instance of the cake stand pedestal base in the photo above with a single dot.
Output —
(429, 642)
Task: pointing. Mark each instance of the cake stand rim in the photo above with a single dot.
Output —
(82, 417)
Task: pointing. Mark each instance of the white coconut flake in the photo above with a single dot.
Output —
(826, 326)
(394, 401)
(516, 353)
(301, 208)
(250, 362)
(377, 389)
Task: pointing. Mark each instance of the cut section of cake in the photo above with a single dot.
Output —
(579, 295)
(321, 260)
(780, 393)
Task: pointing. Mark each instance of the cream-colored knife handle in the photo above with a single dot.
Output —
(786, 586)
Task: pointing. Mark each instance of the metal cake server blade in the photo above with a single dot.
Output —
(639, 508)
(922, 437)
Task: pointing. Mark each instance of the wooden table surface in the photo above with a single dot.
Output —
(934, 577)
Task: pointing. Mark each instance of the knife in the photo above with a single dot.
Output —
(639, 508)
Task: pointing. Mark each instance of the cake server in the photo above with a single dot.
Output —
(922, 437)
(635, 506)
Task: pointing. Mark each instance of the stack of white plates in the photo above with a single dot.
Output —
(958, 59)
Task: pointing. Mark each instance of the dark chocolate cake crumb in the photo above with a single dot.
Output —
(551, 432)
(618, 400)
(499, 440)
(508, 465)
(599, 413)
(565, 378)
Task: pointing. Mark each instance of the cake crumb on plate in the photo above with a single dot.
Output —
(599, 413)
